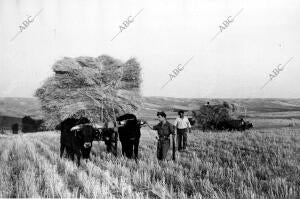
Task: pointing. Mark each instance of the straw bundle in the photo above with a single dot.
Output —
(95, 88)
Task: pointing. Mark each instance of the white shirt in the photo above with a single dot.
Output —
(182, 123)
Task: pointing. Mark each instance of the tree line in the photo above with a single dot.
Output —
(28, 125)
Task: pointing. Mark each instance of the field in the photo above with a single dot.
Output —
(263, 162)
(216, 165)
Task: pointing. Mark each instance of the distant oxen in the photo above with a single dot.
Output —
(230, 125)
(77, 137)
(192, 121)
(129, 134)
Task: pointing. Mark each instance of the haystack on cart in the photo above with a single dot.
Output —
(98, 89)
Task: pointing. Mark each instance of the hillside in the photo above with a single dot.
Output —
(19, 107)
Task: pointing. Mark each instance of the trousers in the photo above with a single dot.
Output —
(181, 139)
(163, 146)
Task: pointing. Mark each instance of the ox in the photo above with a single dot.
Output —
(239, 125)
(129, 134)
(192, 121)
(110, 138)
(77, 137)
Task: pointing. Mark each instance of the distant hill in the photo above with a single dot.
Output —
(19, 107)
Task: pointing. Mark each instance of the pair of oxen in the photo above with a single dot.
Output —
(230, 125)
(77, 136)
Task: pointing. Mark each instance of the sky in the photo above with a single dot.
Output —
(232, 60)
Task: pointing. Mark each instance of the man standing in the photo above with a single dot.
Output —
(182, 125)
(164, 129)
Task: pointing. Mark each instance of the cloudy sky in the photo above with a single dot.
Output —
(235, 64)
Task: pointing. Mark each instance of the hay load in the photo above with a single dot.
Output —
(95, 88)
(209, 116)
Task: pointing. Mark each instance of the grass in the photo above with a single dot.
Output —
(254, 164)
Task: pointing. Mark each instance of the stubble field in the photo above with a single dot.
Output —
(253, 164)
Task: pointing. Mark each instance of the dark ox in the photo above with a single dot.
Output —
(110, 138)
(192, 121)
(129, 134)
(230, 125)
(77, 137)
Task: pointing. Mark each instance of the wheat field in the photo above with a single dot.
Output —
(252, 164)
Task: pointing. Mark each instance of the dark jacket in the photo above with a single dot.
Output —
(164, 130)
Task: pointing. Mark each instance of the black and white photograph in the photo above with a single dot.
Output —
(160, 99)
